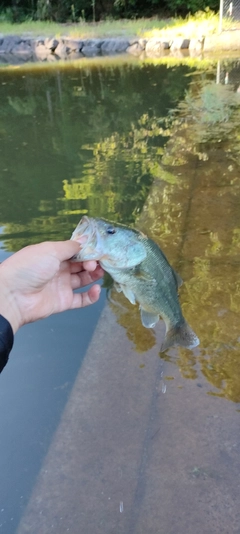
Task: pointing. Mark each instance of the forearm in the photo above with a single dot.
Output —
(6, 341)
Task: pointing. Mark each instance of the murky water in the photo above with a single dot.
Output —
(89, 406)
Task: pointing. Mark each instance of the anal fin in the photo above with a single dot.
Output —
(149, 320)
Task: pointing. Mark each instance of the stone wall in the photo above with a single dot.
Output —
(19, 49)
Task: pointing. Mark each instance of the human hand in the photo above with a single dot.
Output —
(39, 280)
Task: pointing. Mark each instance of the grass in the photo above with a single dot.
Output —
(203, 23)
(82, 29)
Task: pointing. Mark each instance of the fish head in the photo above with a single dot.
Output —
(110, 243)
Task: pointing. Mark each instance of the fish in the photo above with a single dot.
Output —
(140, 269)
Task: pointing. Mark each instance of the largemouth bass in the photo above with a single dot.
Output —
(141, 270)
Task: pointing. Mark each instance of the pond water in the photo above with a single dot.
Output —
(99, 431)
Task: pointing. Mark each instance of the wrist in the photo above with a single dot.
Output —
(8, 304)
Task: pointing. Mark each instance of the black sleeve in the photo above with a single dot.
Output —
(6, 341)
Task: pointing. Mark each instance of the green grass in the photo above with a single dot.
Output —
(31, 27)
(199, 24)
(82, 29)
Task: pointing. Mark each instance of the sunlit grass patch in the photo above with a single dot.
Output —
(200, 24)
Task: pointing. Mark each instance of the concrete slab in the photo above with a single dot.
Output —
(139, 449)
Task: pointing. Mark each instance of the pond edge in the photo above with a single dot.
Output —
(16, 49)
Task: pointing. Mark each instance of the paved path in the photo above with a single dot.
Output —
(131, 458)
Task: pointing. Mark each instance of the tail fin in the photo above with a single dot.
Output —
(180, 335)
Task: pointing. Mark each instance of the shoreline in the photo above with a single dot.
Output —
(16, 50)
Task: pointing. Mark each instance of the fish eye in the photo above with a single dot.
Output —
(111, 230)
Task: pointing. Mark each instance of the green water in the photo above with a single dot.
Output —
(144, 144)
(79, 141)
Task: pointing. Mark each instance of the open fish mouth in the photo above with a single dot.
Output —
(87, 236)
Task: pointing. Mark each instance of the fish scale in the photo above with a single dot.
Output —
(166, 285)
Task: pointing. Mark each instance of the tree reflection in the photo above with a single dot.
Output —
(86, 147)
(109, 149)
(197, 222)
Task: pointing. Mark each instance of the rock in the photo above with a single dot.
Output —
(73, 45)
(51, 43)
(91, 51)
(114, 46)
(92, 47)
(39, 40)
(8, 43)
(23, 50)
(177, 43)
(41, 52)
(185, 44)
(75, 55)
(10, 59)
(61, 50)
(142, 42)
(135, 49)
(51, 58)
(196, 44)
(93, 42)
(156, 46)
(180, 43)
(27, 41)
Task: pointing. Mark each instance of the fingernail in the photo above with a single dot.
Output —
(82, 239)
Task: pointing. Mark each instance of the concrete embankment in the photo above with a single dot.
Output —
(133, 454)
(20, 49)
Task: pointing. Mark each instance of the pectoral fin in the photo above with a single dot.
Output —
(148, 319)
(141, 274)
(126, 291)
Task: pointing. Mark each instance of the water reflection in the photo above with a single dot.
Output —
(101, 141)
(196, 220)
(129, 317)
(79, 141)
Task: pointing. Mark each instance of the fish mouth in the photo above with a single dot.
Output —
(88, 238)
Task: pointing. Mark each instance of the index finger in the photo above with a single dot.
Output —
(65, 250)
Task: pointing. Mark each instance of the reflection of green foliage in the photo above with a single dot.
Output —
(211, 113)
(199, 230)
(22, 106)
(214, 104)
(101, 152)
(85, 141)
(195, 217)
(137, 163)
